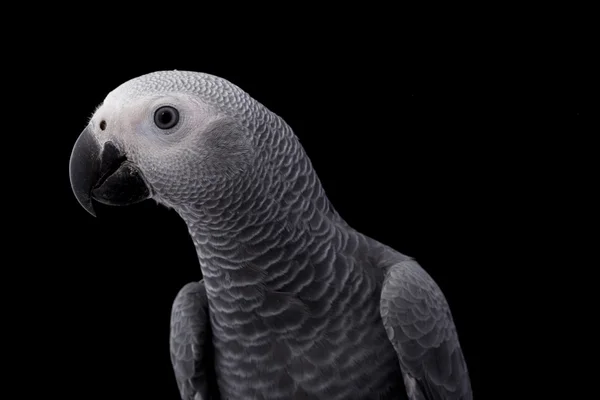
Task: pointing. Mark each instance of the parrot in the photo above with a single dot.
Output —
(294, 303)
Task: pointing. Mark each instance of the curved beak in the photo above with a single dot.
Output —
(104, 174)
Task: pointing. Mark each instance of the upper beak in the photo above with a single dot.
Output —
(104, 174)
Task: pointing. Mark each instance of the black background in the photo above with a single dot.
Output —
(447, 143)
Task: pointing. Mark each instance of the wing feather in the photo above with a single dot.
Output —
(191, 344)
(419, 324)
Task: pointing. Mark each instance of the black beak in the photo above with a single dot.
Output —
(104, 174)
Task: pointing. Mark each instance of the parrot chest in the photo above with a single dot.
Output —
(331, 346)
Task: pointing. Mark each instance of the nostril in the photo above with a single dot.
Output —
(102, 125)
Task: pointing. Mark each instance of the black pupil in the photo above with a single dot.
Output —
(165, 117)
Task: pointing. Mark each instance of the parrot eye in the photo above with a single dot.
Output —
(166, 117)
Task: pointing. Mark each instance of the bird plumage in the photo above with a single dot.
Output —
(294, 302)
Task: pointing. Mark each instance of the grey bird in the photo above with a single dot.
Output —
(294, 303)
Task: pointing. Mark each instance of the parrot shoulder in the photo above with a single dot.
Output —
(420, 326)
(191, 344)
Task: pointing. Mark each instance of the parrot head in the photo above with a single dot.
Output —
(165, 135)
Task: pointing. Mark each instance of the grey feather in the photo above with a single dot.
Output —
(419, 324)
(294, 294)
(191, 343)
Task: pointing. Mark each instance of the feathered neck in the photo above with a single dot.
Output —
(253, 229)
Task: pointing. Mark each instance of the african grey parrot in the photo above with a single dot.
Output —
(294, 302)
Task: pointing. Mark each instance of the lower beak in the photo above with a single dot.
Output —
(104, 174)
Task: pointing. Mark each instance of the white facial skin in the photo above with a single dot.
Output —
(176, 163)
